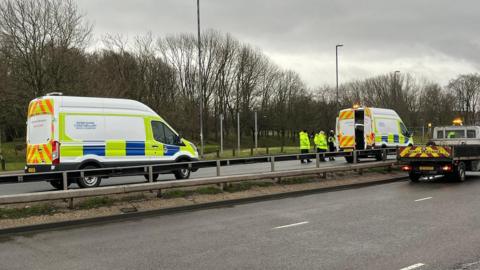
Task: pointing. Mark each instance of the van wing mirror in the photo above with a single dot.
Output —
(178, 140)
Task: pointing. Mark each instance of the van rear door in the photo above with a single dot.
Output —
(346, 129)
(40, 132)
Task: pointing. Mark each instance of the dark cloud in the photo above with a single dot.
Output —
(436, 35)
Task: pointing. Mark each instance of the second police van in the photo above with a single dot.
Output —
(361, 128)
(67, 133)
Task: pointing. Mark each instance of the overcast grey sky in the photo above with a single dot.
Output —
(435, 39)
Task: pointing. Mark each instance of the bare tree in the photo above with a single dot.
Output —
(35, 36)
(467, 91)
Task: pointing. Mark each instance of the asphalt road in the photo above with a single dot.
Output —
(6, 189)
(402, 225)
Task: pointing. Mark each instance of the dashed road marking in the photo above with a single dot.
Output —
(423, 199)
(291, 225)
(414, 266)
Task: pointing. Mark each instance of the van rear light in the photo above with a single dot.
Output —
(406, 168)
(55, 152)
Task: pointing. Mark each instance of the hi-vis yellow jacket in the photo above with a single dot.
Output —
(304, 140)
(321, 141)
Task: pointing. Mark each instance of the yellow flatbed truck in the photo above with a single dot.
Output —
(452, 152)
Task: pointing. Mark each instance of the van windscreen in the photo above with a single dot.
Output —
(39, 129)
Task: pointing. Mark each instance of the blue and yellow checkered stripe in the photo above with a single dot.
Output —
(117, 148)
(392, 138)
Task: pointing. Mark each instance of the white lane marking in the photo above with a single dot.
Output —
(414, 266)
(423, 199)
(291, 225)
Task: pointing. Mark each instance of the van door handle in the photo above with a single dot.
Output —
(154, 146)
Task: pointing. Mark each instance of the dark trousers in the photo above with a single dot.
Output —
(322, 158)
(304, 151)
(331, 148)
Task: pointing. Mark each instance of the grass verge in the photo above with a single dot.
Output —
(28, 211)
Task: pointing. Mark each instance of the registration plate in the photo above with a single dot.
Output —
(31, 170)
(426, 168)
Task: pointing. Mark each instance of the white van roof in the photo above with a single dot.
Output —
(104, 103)
(376, 111)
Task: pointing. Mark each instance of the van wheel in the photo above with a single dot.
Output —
(380, 155)
(155, 176)
(89, 181)
(182, 174)
(349, 159)
(58, 184)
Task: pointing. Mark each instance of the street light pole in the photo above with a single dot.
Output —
(336, 71)
(256, 133)
(221, 133)
(200, 77)
(395, 83)
(238, 132)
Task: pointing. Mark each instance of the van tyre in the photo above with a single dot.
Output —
(381, 156)
(58, 184)
(182, 174)
(414, 177)
(349, 159)
(89, 181)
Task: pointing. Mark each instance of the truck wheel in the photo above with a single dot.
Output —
(182, 174)
(414, 177)
(155, 177)
(89, 181)
(58, 184)
(460, 172)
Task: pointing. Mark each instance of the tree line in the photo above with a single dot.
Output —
(44, 47)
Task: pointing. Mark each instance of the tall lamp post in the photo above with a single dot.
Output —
(336, 69)
(396, 90)
(200, 77)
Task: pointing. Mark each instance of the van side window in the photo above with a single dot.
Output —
(170, 137)
(439, 134)
(162, 133)
(471, 133)
(158, 131)
(404, 129)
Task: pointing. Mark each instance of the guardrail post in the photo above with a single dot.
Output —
(2, 160)
(150, 174)
(317, 160)
(251, 151)
(272, 163)
(218, 167)
(218, 153)
(233, 151)
(384, 154)
(354, 156)
(65, 180)
(266, 149)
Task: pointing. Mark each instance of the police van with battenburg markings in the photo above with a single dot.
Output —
(362, 128)
(68, 133)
